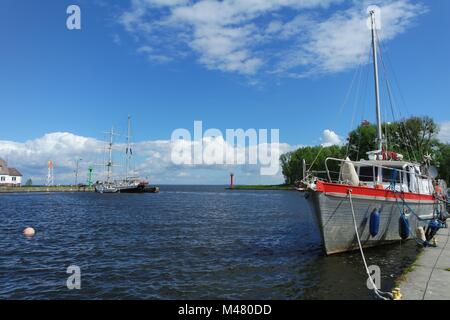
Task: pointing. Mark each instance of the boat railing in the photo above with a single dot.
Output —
(399, 177)
(320, 174)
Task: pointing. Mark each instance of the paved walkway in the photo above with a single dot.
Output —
(430, 279)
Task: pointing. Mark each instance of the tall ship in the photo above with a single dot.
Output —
(376, 201)
(129, 183)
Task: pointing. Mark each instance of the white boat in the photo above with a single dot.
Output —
(384, 198)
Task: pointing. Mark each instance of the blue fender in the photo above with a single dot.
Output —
(435, 225)
(404, 227)
(375, 218)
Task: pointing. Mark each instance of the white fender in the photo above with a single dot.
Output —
(421, 234)
(349, 174)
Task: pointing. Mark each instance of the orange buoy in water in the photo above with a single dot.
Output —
(29, 232)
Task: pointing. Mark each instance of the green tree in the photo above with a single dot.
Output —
(29, 183)
(362, 140)
(292, 162)
(443, 162)
(413, 137)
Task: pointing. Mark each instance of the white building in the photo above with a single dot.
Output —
(9, 176)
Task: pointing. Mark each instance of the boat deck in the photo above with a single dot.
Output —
(430, 278)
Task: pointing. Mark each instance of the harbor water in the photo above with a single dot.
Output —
(187, 242)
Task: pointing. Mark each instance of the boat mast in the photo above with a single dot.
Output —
(377, 85)
(128, 151)
(109, 164)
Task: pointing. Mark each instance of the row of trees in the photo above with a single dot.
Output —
(413, 137)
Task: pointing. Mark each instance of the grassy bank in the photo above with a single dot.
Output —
(266, 187)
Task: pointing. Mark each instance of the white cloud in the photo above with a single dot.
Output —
(330, 138)
(152, 55)
(342, 41)
(63, 145)
(256, 36)
(152, 160)
(444, 134)
(63, 148)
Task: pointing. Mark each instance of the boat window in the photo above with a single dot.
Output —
(366, 174)
(390, 174)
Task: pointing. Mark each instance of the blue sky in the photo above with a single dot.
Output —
(166, 65)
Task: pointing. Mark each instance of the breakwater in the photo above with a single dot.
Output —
(28, 189)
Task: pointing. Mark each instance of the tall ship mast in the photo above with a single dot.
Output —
(109, 163)
(377, 201)
(128, 152)
(127, 184)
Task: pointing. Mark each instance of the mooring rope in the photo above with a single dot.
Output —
(380, 294)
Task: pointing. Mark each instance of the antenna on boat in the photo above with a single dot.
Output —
(377, 85)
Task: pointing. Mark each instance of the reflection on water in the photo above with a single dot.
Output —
(184, 243)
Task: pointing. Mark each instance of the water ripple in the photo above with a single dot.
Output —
(184, 243)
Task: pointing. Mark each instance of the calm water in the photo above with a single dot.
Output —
(184, 243)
